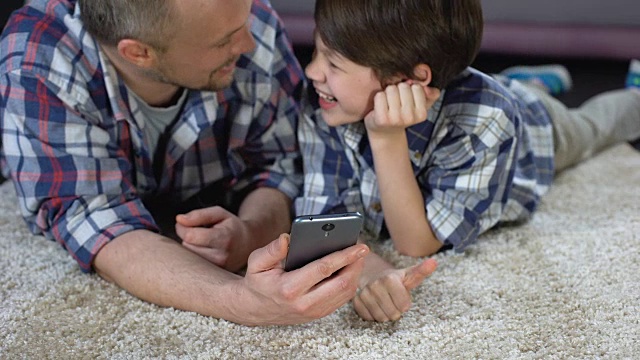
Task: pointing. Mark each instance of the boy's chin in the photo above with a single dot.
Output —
(332, 119)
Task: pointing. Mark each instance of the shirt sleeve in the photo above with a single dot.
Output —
(470, 173)
(72, 178)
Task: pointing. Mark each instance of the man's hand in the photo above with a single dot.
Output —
(387, 296)
(311, 292)
(217, 235)
(399, 107)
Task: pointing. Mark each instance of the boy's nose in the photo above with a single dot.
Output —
(313, 72)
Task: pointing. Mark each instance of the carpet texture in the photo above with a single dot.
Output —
(564, 285)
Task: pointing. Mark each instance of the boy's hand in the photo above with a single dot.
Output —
(400, 106)
(388, 296)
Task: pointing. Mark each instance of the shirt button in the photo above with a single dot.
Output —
(376, 206)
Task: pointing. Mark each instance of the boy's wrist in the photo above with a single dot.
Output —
(374, 265)
(387, 139)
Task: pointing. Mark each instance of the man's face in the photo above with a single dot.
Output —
(210, 37)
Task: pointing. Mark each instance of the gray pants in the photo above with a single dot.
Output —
(604, 120)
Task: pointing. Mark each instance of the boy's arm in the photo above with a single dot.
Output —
(401, 199)
(397, 108)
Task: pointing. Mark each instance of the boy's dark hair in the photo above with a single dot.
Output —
(393, 36)
(110, 21)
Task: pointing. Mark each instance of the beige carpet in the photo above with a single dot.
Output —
(565, 285)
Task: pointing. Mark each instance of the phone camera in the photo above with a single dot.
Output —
(328, 227)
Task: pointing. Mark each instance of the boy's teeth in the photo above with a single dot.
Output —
(328, 98)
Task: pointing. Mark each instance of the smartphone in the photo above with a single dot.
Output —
(314, 236)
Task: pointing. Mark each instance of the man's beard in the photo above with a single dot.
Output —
(214, 84)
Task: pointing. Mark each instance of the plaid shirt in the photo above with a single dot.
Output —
(76, 150)
(484, 155)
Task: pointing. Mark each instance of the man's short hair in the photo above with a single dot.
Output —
(110, 21)
(392, 36)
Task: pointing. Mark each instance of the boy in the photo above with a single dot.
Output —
(432, 168)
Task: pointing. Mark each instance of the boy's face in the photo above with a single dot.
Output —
(346, 89)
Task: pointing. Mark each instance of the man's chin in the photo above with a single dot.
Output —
(218, 84)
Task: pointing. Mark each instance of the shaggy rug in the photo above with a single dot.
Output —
(564, 285)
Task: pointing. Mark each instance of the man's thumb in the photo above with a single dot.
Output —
(270, 256)
(417, 273)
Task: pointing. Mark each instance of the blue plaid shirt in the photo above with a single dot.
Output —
(76, 151)
(483, 156)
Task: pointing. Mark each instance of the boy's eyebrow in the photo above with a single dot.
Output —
(330, 53)
(325, 50)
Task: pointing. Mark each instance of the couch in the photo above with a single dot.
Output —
(564, 28)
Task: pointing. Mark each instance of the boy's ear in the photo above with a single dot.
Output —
(422, 73)
(137, 53)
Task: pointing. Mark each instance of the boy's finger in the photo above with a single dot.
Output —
(394, 104)
(416, 274)
(381, 108)
(407, 101)
(432, 93)
(361, 309)
(422, 104)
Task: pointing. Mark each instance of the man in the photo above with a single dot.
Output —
(117, 114)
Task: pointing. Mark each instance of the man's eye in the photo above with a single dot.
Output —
(224, 43)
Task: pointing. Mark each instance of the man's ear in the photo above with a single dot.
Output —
(422, 73)
(137, 53)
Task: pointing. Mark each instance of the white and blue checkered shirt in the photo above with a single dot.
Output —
(483, 156)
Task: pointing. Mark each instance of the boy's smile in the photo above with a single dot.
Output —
(345, 89)
(325, 101)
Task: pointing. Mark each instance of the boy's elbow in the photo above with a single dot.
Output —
(420, 247)
(417, 252)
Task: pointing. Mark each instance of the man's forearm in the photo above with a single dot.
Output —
(159, 270)
(268, 213)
